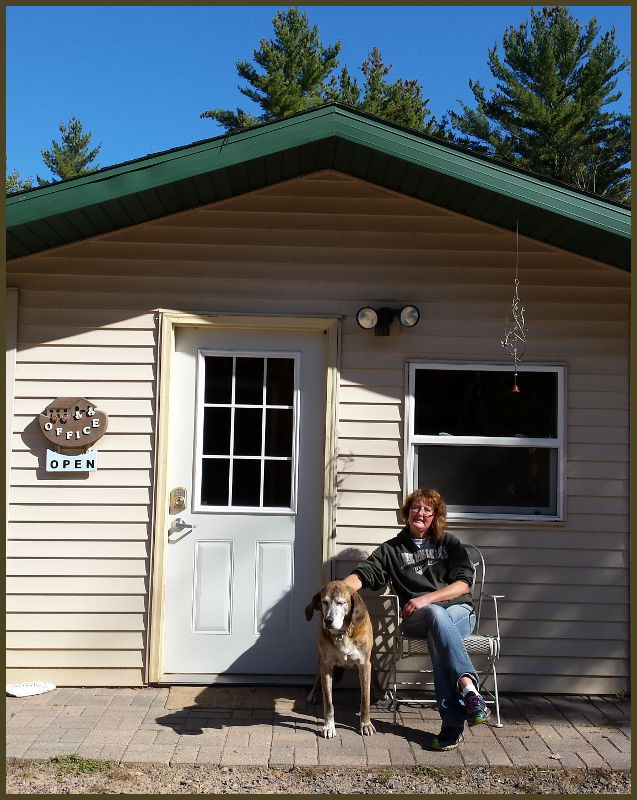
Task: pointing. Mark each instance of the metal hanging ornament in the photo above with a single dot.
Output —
(515, 330)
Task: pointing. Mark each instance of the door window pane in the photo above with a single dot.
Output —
(249, 381)
(214, 481)
(247, 431)
(246, 482)
(216, 432)
(280, 382)
(481, 403)
(218, 380)
(278, 432)
(277, 483)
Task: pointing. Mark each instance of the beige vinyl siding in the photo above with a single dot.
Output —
(80, 548)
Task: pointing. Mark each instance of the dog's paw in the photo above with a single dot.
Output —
(367, 729)
(329, 730)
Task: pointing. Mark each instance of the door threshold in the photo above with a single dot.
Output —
(198, 679)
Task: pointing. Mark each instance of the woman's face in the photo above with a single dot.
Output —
(421, 515)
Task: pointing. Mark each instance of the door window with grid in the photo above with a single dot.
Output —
(246, 431)
(489, 451)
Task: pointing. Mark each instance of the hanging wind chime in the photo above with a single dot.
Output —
(515, 329)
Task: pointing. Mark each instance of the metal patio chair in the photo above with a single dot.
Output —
(478, 645)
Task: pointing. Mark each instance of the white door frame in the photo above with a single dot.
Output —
(169, 321)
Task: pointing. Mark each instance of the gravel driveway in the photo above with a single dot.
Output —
(85, 776)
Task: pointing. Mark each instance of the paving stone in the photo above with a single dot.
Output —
(497, 756)
(243, 757)
(209, 755)
(473, 755)
(184, 755)
(377, 756)
(112, 752)
(155, 755)
(433, 758)
(281, 756)
(401, 757)
(305, 756)
(591, 758)
(570, 760)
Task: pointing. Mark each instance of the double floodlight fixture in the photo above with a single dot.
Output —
(380, 319)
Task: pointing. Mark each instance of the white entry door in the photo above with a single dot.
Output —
(247, 443)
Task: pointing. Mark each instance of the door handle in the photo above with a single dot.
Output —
(179, 524)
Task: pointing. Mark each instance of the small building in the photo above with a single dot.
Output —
(258, 440)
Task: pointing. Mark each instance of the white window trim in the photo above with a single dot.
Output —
(559, 443)
(197, 506)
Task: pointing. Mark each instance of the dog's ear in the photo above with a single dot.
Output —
(314, 604)
(359, 610)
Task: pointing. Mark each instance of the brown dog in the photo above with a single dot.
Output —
(345, 639)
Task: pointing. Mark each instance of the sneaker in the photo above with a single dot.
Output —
(477, 711)
(448, 738)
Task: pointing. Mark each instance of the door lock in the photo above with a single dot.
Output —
(178, 499)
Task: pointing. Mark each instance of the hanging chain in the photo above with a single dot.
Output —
(515, 330)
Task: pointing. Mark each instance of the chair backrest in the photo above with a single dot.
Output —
(479, 574)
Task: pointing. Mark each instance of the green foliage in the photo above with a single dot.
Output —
(72, 156)
(15, 183)
(75, 763)
(293, 72)
(400, 102)
(294, 68)
(547, 113)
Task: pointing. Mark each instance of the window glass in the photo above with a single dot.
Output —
(215, 473)
(248, 431)
(494, 479)
(246, 482)
(280, 382)
(278, 432)
(276, 483)
(216, 431)
(218, 380)
(481, 403)
(249, 381)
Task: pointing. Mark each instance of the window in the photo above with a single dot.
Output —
(489, 451)
(246, 431)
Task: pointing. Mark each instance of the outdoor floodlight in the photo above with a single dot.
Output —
(380, 319)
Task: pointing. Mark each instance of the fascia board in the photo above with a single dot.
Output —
(465, 167)
(156, 171)
(312, 126)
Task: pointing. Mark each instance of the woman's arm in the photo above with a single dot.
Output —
(454, 589)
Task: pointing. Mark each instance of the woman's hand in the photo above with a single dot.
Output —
(414, 604)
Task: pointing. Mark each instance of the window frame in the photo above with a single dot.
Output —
(197, 505)
(412, 440)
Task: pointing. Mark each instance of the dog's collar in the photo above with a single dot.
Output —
(338, 637)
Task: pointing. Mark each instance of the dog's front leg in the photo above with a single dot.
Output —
(329, 730)
(365, 677)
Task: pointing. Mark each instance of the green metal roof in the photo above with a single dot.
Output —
(327, 137)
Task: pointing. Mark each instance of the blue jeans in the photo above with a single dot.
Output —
(444, 629)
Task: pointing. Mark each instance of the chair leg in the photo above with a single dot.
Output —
(498, 724)
(394, 697)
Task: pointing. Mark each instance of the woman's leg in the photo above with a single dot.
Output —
(444, 629)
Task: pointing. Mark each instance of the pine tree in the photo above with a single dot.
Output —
(15, 183)
(400, 102)
(547, 114)
(294, 65)
(72, 156)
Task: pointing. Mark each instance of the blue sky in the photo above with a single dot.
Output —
(138, 77)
